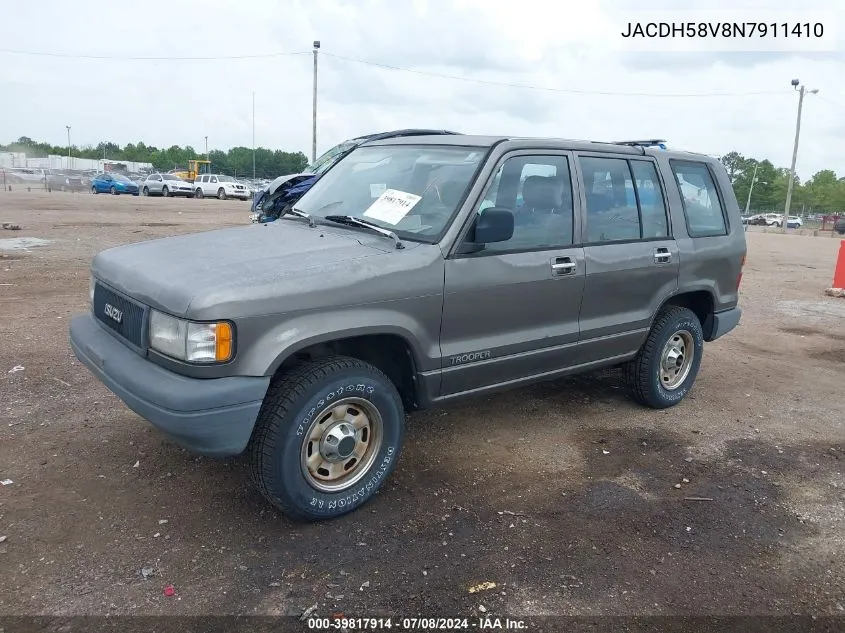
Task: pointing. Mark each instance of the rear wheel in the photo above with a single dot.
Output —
(328, 435)
(221, 195)
(198, 193)
(664, 370)
(94, 189)
(146, 191)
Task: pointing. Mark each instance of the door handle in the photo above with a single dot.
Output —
(662, 255)
(563, 266)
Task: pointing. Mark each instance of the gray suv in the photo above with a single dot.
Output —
(416, 272)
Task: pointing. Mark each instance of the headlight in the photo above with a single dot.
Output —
(190, 341)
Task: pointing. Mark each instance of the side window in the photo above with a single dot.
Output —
(702, 208)
(212, 179)
(538, 191)
(612, 213)
(652, 207)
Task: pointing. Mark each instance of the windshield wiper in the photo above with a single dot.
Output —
(300, 214)
(351, 219)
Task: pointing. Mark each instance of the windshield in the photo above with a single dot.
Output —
(170, 177)
(326, 160)
(225, 179)
(412, 190)
(120, 178)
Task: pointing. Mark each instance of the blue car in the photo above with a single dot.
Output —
(114, 184)
(271, 202)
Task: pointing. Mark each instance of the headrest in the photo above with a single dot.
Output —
(539, 192)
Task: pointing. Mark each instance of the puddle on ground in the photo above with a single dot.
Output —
(22, 243)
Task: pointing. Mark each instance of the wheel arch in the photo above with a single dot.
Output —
(700, 301)
(389, 351)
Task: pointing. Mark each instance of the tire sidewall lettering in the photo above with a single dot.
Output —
(676, 395)
(358, 385)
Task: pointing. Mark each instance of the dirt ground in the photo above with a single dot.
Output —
(561, 494)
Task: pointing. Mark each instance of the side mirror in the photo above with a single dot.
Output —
(495, 224)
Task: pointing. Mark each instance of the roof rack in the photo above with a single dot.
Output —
(645, 143)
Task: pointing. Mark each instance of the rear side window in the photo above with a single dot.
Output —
(612, 213)
(702, 207)
(624, 200)
(651, 200)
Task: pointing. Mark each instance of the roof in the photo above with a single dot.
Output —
(634, 148)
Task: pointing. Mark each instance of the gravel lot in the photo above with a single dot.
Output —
(561, 494)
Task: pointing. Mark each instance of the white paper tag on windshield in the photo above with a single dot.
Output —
(392, 206)
(377, 189)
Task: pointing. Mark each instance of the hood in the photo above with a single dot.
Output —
(186, 275)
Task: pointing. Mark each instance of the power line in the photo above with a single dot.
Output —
(549, 89)
(830, 101)
(393, 68)
(145, 58)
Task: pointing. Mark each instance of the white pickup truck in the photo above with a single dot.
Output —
(220, 186)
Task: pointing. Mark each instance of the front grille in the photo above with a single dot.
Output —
(131, 322)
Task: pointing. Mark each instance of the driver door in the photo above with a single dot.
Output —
(510, 311)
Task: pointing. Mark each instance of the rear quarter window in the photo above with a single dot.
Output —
(703, 208)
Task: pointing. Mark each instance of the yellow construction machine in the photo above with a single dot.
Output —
(195, 168)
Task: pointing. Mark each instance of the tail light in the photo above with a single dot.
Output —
(741, 266)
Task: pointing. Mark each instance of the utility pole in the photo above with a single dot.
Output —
(206, 148)
(314, 118)
(253, 135)
(791, 184)
(750, 189)
(68, 146)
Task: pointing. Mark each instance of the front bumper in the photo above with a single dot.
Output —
(240, 195)
(212, 417)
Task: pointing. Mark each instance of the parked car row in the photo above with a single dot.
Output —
(773, 219)
(218, 186)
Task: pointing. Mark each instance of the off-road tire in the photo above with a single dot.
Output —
(291, 405)
(642, 373)
(221, 194)
(198, 194)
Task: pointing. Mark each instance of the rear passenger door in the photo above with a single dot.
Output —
(510, 311)
(630, 256)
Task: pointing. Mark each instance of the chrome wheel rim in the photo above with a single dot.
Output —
(676, 359)
(341, 444)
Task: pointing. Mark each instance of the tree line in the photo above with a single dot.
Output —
(824, 192)
(236, 162)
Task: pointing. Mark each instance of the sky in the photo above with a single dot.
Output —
(527, 68)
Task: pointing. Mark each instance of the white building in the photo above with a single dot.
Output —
(63, 163)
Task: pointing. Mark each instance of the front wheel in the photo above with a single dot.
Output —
(664, 370)
(221, 195)
(328, 435)
(165, 192)
(113, 191)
